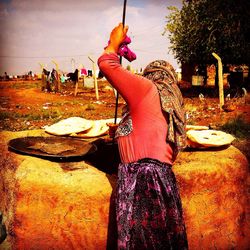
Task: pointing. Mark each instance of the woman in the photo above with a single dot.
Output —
(148, 206)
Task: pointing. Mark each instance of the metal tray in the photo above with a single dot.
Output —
(52, 147)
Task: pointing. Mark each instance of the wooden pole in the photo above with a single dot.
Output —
(220, 76)
(73, 62)
(95, 80)
(42, 77)
(73, 67)
(41, 65)
(58, 78)
(76, 89)
(123, 22)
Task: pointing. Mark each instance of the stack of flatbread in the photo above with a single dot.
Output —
(195, 127)
(205, 138)
(69, 126)
(99, 128)
(80, 127)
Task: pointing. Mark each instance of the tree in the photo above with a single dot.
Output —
(205, 26)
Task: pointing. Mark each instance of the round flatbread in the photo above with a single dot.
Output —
(69, 126)
(99, 128)
(196, 127)
(210, 138)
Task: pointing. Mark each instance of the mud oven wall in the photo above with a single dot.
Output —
(50, 205)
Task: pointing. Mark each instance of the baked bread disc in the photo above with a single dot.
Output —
(99, 128)
(69, 126)
(195, 127)
(209, 138)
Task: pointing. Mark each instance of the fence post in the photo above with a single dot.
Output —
(220, 76)
(94, 73)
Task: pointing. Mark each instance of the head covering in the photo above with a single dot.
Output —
(164, 77)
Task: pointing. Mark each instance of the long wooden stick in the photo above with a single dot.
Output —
(94, 76)
(123, 22)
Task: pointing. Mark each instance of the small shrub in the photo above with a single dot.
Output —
(5, 115)
(237, 127)
(50, 114)
(32, 117)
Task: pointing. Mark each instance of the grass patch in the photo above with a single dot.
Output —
(50, 114)
(32, 117)
(90, 107)
(35, 116)
(237, 127)
(5, 115)
(26, 85)
(62, 103)
(10, 115)
(76, 102)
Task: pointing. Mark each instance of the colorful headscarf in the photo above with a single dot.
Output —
(164, 77)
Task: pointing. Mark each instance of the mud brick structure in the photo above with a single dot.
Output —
(66, 205)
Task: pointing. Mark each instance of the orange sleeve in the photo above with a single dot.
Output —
(131, 87)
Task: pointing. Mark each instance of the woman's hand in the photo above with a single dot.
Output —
(117, 36)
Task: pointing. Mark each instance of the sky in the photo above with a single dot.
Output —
(34, 32)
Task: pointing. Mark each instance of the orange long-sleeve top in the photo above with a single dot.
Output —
(148, 137)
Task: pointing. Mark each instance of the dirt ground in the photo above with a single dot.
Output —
(23, 105)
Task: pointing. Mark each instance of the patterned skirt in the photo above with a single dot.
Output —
(148, 207)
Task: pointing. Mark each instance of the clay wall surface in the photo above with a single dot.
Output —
(66, 205)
